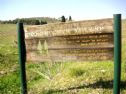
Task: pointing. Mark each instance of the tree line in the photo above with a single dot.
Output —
(25, 21)
(37, 20)
(63, 19)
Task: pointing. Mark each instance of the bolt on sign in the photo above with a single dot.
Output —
(90, 40)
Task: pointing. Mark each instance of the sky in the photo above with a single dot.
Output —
(77, 9)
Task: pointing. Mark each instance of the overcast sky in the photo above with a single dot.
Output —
(78, 9)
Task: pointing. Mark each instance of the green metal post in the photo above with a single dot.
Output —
(117, 53)
(22, 57)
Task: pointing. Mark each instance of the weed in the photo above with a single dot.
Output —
(75, 72)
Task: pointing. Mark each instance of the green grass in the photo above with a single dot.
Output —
(77, 77)
(83, 77)
(7, 34)
(10, 83)
(64, 78)
(9, 67)
(75, 72)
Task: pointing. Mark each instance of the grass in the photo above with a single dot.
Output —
(10, 83)
(75, 72)
(9, 68)
(56, 78)
(7, 34)
(80, 78)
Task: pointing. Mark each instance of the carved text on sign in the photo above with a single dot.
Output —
(73, 41)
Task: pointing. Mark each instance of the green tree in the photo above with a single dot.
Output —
(70, 18)
(63, 19)
(37, 22)
(42, 22)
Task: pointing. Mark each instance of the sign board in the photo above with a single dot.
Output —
(90, 40)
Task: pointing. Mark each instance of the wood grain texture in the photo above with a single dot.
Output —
(90, 40)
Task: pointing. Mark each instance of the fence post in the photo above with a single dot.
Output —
(22, 57)
(117, 53)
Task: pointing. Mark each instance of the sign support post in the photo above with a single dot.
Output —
(117, 53)
(22, 57)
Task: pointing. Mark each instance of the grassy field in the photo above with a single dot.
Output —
(74, 78)
(9, 67)
(56, 78)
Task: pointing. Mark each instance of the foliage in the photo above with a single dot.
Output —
(25, 21)
(63, 19)
(75, 72)
(48, 70)
(70, 18)
(32, 21)
(10, 83)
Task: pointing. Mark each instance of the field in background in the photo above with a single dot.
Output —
(58, 78)
(9, 67)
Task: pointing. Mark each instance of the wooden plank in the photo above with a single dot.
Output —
(72, 41)
(90, 40)
(72, 55)
(71, 28)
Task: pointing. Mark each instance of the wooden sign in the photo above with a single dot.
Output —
(90, 40)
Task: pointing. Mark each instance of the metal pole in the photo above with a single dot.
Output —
(117, 53)
(22, 57)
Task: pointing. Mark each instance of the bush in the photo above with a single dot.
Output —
(63, 19)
